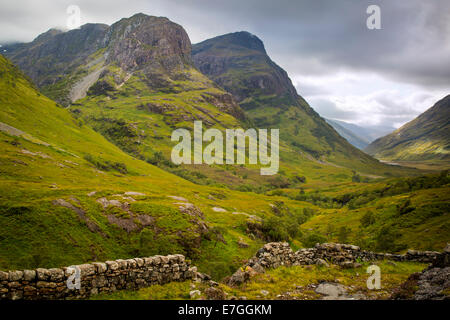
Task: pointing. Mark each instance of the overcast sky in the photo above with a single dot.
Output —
(343, 69)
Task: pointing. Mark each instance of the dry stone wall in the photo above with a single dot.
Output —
(276, 254)
(97, 277)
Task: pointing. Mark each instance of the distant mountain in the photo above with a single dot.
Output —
(367, 132)
(427, 137)
(349, 135)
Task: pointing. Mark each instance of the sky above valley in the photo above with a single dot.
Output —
(345, 71)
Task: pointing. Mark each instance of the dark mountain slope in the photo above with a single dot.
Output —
(350, 136)
(367, 132)
(55, 55)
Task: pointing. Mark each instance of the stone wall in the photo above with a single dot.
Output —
(276, 254)
(97, 277)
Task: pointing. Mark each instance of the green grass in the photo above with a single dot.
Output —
(169, 291)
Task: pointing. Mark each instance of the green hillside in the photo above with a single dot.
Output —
(137, 87)
(426, 138)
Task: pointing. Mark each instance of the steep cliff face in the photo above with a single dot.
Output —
(138, 42)
(427, 137)
(149, 43)
(239, 63)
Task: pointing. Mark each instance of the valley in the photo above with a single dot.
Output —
(86, 123)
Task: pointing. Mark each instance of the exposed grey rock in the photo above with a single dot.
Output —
(322, 262)
(432, 284)
(331, 289)
(194, 294)
(215, 293)
(15, 275)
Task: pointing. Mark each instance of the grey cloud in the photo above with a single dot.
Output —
(328, 109)
(309, 90)
(305, 37)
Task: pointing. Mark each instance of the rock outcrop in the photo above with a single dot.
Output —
(431, 284)
(219, 57)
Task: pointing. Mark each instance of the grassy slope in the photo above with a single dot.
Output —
(401, 217)
(426, 138)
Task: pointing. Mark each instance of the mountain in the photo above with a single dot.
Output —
(259, 80)
(136, 82)
(50, 58)
(135, 86)
(349, 135)
(367, 133)
(64, 65)
(140, 79)
(425, 138)
(238, 62)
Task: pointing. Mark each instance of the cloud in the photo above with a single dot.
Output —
(390, 108)
(305, 37)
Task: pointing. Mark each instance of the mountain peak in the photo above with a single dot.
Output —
(247, 40)
(242, 39)
(141, 40)
(239, 63)
(48, 34)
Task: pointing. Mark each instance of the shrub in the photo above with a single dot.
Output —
(386, 240)
(367, 219)
(274, 229)
(312, 239)
(279, 182)
(106, 165)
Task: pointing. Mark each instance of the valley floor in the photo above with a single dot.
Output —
(432, 165)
